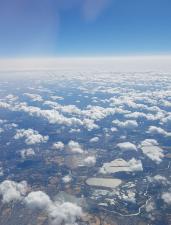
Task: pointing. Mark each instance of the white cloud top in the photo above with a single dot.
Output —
(127, 146)
(151, 149)
(31, 136)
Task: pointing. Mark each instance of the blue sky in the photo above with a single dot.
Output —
(36, 28)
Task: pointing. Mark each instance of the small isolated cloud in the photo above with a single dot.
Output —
(66, 179)
(75, 147)
(27, 153)
(58, 145)
(127, 146)
(120, 165)
(114, 129)
(31, 136)
(151, 149)
(90, 161)
(74, 130)
(166, 197)
(37, 200)
(13, 191)
(129, 196)
(94, 139)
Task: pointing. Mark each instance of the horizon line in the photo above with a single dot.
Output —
(113, 63)
(86, 56)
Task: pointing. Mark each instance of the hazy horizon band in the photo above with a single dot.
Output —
(120, 63)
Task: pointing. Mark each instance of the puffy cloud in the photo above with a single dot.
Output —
(34, 97)
(151, 149)
(129, 196)
(89, 124)
(94, 139)
(65, 213)
(85, 118)
(5, 105)
(127, 146)
(135, 165)
(129, 124)
(120, 165)
(159, 179)
(75, 147)
(27, 153)
(37, 199)
(53, 116)
(135, 115)
(166, 196)
(66, 179)
(13, 191)
(11, 98)
(58, 213)
(114, 129)
(158, 130)
(73, 130)
(149, 142)
(58, 145)
(90, 160)
(166, 120)
(55, 97)
(97, 112)
(147, 116)
(31, 136)
(69, 109)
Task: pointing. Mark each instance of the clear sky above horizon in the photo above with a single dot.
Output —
(37, 28)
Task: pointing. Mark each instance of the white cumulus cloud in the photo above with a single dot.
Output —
(127, 146)
(31, 136)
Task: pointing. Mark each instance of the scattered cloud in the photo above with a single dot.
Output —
(57, 212)
(166, 197)
(34, 97)
(75, 147)
(158, 130)
(31, 136)
(58, 145)
(13, 191)
(127, 146)
(151, 149)
(129, 124)
(66, 179)
(90, 160)
(120, 165)
(27, 153)
(94, 139)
